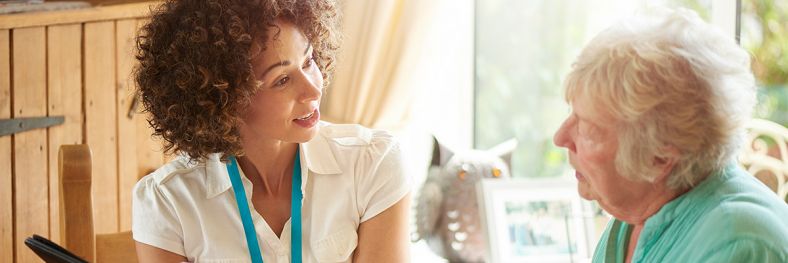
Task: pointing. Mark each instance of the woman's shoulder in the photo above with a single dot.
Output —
(746, 209)
(741, 229)
(354, 143)
(173, 172)
(373, 161)
(355, 135)
(743, 195)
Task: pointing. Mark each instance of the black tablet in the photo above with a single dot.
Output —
(51, 252)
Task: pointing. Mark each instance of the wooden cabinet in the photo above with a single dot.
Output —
(76, 64)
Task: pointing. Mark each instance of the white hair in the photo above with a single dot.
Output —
(669, 79)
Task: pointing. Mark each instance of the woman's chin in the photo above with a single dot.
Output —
(306, 135)
(585, 191)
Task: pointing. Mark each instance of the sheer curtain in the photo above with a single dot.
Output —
(380, 46)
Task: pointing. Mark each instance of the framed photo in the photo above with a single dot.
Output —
(536, 220)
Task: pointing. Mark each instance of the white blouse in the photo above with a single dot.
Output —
(352, 174)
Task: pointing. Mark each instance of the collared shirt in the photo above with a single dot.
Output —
(350, 174)
(729, 217)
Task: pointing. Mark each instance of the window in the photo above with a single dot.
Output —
(523, 51)
(765, 35)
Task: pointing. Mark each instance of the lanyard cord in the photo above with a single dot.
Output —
(246, 216)
(295, 212)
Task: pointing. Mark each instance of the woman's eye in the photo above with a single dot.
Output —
(309, 62)
(282, 81)
(584, 128)
(591, 131)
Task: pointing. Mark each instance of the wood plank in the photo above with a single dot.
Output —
(127, 132)
(64, 98)
(31, 210)
(6, 189)
(93, 14)
(101, 122)
(149, 151)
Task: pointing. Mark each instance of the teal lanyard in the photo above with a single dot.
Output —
(246, 215)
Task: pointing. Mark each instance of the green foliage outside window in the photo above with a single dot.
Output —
(766, 37)
(764, 34)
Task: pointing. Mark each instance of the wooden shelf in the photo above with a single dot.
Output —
(99, 13)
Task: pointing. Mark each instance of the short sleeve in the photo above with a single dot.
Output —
(383, 183)
(747, 250)
(154, 221)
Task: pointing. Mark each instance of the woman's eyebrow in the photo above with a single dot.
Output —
(284, 62)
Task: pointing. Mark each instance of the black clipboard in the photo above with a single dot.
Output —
(51, 252)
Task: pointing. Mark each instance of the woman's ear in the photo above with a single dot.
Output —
(665, 161)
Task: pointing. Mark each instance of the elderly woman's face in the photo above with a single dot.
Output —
(285, 107)
(592, 142)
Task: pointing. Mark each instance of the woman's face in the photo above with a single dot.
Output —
(592, 142)
(285, 107)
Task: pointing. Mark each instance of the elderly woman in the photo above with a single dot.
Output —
(659, 103)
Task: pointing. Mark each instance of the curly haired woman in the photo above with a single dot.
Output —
(234, 87)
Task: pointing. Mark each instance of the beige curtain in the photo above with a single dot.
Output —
(381, 42)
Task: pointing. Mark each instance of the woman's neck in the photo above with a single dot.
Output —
(268, 164)
(638, 209)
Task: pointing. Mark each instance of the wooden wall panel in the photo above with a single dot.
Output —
(31, 210)
(149, 152)
(101, 122)
(64, 93)
(127, 130)
(67, 63)
(6, 181)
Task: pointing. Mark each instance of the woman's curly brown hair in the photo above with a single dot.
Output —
(195, 76)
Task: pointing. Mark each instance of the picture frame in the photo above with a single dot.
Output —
(536, 220)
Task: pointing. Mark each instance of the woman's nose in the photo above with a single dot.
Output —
(312, 88)
(563, 137)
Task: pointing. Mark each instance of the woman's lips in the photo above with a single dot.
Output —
(309, 122)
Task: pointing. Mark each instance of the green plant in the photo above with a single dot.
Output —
(765, 35)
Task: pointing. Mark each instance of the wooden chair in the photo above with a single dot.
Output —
(765, 155)
(76, 221)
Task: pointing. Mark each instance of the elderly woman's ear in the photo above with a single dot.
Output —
(665, 161)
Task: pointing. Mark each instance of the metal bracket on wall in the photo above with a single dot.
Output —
(11, 126)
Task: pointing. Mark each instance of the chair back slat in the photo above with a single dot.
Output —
(765, 154)
(76, 204)
(76, 222)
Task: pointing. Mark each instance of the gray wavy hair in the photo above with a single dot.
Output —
(670, 79)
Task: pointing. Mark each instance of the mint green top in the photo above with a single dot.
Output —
(729, 217)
